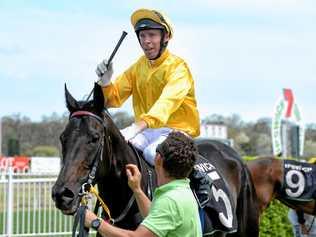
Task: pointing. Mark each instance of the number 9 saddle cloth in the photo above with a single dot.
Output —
(299, 181)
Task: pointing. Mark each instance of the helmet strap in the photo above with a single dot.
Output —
(163, 45)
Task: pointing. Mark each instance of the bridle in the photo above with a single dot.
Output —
(87, 186)
(99, 153)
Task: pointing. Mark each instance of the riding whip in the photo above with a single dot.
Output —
(124, 33)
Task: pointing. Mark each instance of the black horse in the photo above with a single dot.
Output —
(91, 138)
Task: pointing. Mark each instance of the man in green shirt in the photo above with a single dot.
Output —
(174, 211)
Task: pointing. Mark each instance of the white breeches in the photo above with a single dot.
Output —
(148, 140)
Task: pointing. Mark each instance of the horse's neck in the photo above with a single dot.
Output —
(121, 150)
(115, 182)
(113, 185)
(124, 153)
(121, 155)
(116, 193)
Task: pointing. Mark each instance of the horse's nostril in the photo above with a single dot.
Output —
(68, 193)
(62, 194)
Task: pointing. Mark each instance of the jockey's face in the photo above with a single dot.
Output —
(150, 42)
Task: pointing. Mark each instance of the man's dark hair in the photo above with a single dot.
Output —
(179, 154)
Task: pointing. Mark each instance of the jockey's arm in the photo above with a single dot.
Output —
(118, 91)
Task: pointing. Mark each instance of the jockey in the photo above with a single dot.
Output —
(160, 83)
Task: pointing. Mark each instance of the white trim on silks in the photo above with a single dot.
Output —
(148, 140)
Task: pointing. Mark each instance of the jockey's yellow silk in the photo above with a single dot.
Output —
(163, 93)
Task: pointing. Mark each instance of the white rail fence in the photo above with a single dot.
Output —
(27, 209)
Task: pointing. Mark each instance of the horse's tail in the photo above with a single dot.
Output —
(247, 207)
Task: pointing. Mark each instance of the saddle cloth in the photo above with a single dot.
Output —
(219, 214)
(299, 181)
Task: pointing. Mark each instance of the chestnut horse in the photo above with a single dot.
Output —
(268, 178)
(93, 146)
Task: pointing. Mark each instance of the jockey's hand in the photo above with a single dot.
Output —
(131, 131)
(104, 72)
(134, 177)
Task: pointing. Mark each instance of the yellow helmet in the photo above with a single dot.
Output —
(153, 15)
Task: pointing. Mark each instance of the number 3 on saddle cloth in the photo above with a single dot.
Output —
(212, 194)
(299, 181)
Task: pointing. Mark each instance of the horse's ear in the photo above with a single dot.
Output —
(71, 103)
(98, 97)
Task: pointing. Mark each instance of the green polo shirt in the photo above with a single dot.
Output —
(174, 211)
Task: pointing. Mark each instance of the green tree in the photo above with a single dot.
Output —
(310, 148)
(122, 119)
(13, 147)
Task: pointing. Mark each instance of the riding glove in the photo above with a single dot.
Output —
(130, 131)
(104, 72)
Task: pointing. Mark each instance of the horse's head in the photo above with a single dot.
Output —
(82, 146)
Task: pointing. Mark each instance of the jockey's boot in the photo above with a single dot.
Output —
(200, 183)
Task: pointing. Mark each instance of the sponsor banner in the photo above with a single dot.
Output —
(286, 109)
(47, 165)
